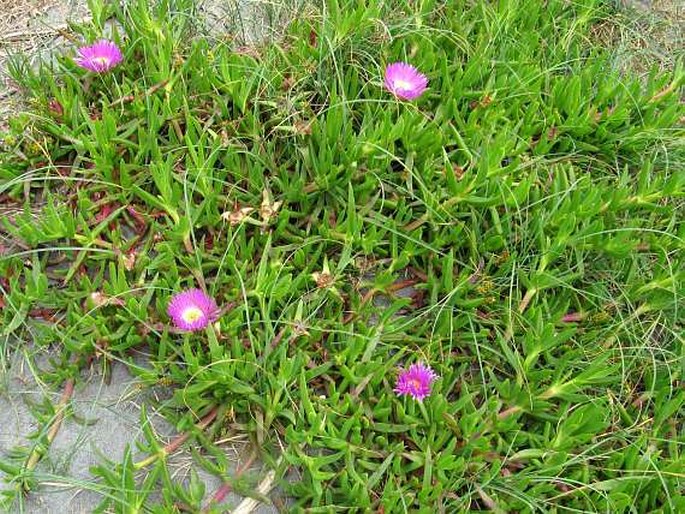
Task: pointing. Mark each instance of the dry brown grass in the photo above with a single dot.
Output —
(32, 28)
(646, 33)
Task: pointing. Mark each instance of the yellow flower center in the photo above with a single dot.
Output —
(402, 84)
(191, 314)
(104, 61)
(415, 382)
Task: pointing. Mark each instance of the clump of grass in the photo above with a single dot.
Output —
(518, 227)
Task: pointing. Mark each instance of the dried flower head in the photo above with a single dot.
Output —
(192, 310)
(99, 57)
(405, 81)
(415, 381)
(237, 215)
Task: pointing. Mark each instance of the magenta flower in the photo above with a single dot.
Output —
(192, 310)
(404, 81)
(415, 381)
(99, 57)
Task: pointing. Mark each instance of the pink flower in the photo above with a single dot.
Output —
(415, 381)
(99, 57)
(192, 310)
(404, 81)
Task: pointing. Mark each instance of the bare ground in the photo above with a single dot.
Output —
(33, 28)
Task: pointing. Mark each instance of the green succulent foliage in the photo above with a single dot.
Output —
(519, 227)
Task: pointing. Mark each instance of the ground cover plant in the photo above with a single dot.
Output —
(450, 284)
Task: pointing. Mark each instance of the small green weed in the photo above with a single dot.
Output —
(519, 228)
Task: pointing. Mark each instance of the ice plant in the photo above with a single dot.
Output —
(415, 381)
(99, 57)
(192, 310)
(405, 81)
